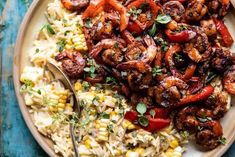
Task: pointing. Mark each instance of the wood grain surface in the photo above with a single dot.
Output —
(15, 138)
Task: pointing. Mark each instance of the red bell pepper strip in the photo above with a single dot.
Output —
(223, 30)
(156, 124)
(134, 27)
(154, 12)
(131, 116)
(205, 93)
(180, 37)
(160, 113)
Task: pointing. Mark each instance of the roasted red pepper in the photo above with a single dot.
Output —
(94, 9)
(205, 93)
(179, 37)
(157, 124)
(223, 30)
(134, 27)
(131, 116)
(154, 12)
(159, 121)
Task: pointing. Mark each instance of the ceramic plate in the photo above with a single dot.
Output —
(33, 21)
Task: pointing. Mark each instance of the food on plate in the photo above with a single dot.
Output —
(149, 76)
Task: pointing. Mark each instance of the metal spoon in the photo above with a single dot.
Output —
(61, 76)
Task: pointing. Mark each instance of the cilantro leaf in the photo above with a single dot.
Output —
(163, 19)
(143, 121)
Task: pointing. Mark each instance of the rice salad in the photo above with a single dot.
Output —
(101, 130)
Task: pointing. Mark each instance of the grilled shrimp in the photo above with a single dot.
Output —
(209, 27)
(229, 80)
(198, 48)
(139, 81)
(135, 65)
(175, 9)
(218, 7)
(73, 63)
(75, 5)
(209, 134)
(112, 54)
(221, 59)
(167, 93)
(186, 119)
(218, 104)
(195, 11)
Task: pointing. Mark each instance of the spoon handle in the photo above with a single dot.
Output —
(71, 128)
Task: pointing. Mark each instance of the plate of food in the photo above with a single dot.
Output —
(151, 78)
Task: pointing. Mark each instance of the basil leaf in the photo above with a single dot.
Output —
(153, 30)
(141, 108)
(143, 121)
(163, 19)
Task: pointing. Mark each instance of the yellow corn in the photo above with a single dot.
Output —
(60, 109)
(117, 152)
(78, 86)
(52, 109)
(131, 127)
(61, 105)
(88, 143)
(174, 143)
(176, 154)
(62, 101)
(140, 151)
(79, 47)
(128, 125)
(101, 98)
(68, 47)
(132, 154)
(170, 150)
(169, 154)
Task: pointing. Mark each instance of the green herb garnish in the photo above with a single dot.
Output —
(91, 70)
(110, 128)
(88, 23)
(222, 140)
(85, 85)
(134, 13)
(48, 28)
(61, 44)
(116, 46)
(141, 108)
(104, 116)
(156, 71)
(153, 30)
(152, 113)
(143, 121)
(163, 19)
(204, 119)
(110, 80)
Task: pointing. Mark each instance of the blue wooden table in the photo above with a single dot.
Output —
(15, 138)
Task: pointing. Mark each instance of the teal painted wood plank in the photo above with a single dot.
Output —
(15, 138)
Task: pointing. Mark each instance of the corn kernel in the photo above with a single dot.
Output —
(81, 36)
(64, 97)
(68, 47)
(60, 109)
(78, 86)
(170, 150)
(169, 154)
(113, 113)
(69, 108)
(132, 154)
(103, 133)
(125, 123)
(117, 152)
(52, 109)
(102, 138)
(131, 127)
(140, 151)
(88, 143)
(174, 144)
(61, 105)
(62, 101)
(69, 42)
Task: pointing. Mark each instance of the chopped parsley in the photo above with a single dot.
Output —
(91, 70)
(134, 13)
(116, 46)
(49, 29)
(153, 30)
(110, 128)
(184, 134)
(85, 85)
(111, 80)
(88, 23)
(104, 116)
(27, 86)
(156, 71)
(60, 45)
(204, 119)
(222, 140)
